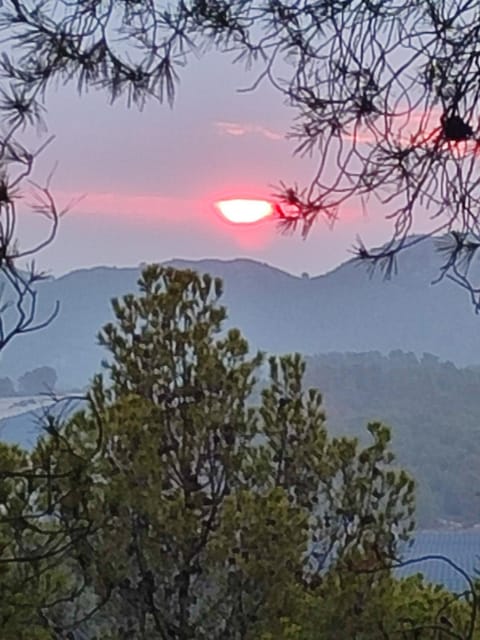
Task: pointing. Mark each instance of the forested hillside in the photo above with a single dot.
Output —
(433, 408)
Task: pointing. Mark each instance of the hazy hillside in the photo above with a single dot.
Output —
(433, 408)
(343, 310)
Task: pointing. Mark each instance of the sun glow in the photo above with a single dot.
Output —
(242, 211)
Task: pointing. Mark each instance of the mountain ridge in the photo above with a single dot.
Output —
(342, 310)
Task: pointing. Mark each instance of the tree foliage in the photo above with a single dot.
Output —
(190, 513)
(376, 607)
(33, 545)
(174, 507)
(19, 275)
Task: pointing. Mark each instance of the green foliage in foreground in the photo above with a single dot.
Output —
(172, 508)
(377, 608)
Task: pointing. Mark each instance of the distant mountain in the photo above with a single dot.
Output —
(343, 310)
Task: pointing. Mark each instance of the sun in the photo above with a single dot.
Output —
(242, 211)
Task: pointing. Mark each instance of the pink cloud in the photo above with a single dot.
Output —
(138, 206)
(408, 127)
(246, 128)
(189, 220)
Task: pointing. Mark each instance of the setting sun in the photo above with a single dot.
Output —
(241, 211)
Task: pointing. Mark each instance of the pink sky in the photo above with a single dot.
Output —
(150, 178)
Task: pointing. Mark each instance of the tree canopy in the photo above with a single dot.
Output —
(172, 507)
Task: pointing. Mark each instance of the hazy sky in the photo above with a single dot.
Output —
(150, 178)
